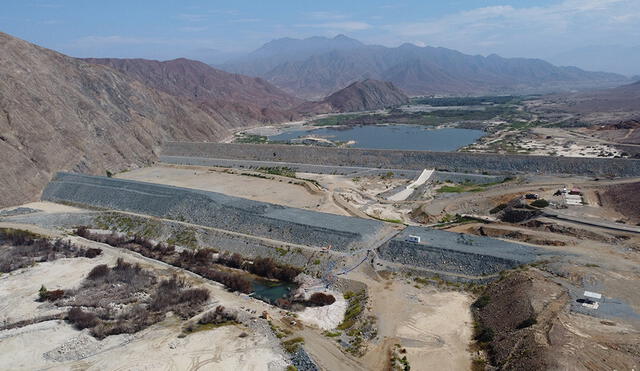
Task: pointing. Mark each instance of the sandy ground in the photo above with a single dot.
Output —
(277, 191)
(49, 207)
(157, 347)
(433, 325)
(327, 317)
(363, 194)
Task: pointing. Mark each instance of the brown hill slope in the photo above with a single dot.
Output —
(624, 199)
(60, 113)
(366, 95)
(362, 95)
(210, 87)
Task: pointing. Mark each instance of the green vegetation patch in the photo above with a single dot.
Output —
(354, 309)
(292, 345)
(282, 171)
(185, 237)
(251, 139)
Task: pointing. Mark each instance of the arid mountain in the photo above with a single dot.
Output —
(215, 89)
(294, 67)
(276, 52)
(362, 95)
(60, 113)
(366, 95)
(606, 106)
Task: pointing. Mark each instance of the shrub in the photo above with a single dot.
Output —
(320, 299)
(482, 301)
(540, 203)
(52, 295)
(527, 323)
(484, 334)
(292, 345)
(498, 209)
(98, 271)
(82, 319)
(92, 253)
(217, 316)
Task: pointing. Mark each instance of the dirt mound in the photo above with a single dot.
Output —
(515, 235)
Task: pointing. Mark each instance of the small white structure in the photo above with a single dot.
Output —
(414, 239)
(592, 304)
(593, 295)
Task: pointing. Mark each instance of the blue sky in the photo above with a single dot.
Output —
(163, 29)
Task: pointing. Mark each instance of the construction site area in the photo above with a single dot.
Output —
(317, 258)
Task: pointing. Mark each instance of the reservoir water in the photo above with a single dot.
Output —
(408, 137)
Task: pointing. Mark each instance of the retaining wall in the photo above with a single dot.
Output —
(410, 160)
(456, 253)
(216, 210)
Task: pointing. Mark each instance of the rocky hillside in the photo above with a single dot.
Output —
(366, 95)
(624, 199)
(210, 87)
(336, 63)
(60, 113)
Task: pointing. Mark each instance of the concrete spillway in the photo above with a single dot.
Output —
(411, 187)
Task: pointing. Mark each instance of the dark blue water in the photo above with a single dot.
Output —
(409, 137)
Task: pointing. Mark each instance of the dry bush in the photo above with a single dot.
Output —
(267, 267)
(217, 316)
(82, 319)
(173, 295)
(98, 271)
(26, 248)
(320, 299)
(53, 295)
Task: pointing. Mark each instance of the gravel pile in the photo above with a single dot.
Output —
(302, 361)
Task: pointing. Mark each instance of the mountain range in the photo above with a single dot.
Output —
(315, 67)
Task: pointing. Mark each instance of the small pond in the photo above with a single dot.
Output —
(270, 291)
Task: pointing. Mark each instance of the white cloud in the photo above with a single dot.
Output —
(526, 30)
